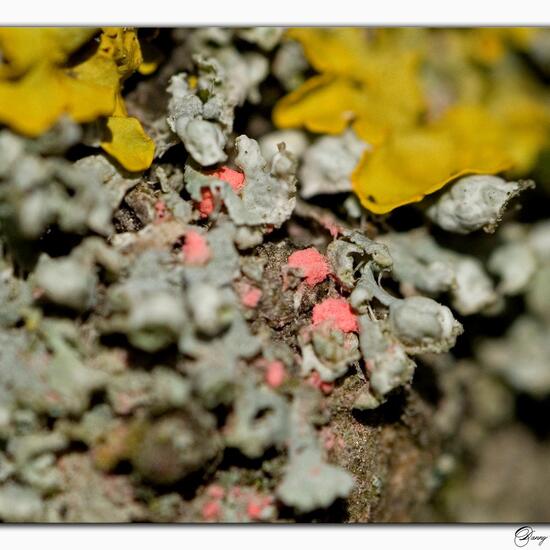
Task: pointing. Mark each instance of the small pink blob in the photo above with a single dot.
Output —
(251, 297)
(312, 263)
(195, 249)
(206, 205)
(160, 211)
(211, 511)
(256, 506)
(216, 491)
(337, 313)
(315, 381)
(254, 510)
(332, 228)
(275, 374)
(232, 177)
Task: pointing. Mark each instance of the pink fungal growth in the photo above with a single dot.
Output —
(256, 507)
(315, 381)
(251, 296)
(160, 211)
(206, 205)
(215, 491)
(332, 227)
(312, 263)
(232, 177)
(195, 249)
(337, 313)
(275, 374)
(211, 511)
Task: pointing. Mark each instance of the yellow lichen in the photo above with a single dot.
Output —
(398, 172)
(360, 80)
(22, 48)
(39, 82)
(126, 141)
(433, 105)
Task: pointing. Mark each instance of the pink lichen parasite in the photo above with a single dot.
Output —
(256, 507)
(250, 296)
(316, 381)
(160, 211)
(337, 313)
(195, 249)
(333, 228)
(206, 205)
(230, 176)
(312, 264)
(215, 491)
(211, 511)
(275, 374)
(234, 178)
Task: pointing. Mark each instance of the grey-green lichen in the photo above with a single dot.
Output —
(328, 164)
(475, 202)
(522, 356)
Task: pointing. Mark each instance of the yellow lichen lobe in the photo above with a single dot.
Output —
(40, 82)
(432, 104)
